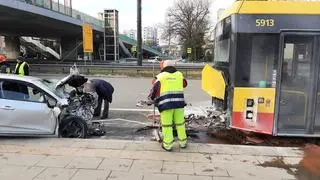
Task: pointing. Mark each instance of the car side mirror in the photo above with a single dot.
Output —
(51, 102)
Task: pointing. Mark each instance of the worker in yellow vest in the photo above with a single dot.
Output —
(22, 67)
(168, 95)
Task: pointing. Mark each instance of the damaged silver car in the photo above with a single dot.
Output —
(31, 106)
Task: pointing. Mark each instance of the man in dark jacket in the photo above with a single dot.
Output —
(105, 91)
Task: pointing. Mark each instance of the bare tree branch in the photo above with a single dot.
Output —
(188, 21)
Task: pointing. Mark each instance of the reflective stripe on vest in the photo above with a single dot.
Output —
(21, 68)
(171, 91)
(170, 100)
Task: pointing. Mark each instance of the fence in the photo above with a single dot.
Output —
(143, 71)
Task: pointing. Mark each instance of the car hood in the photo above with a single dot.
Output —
(62, 82)
(72, 80)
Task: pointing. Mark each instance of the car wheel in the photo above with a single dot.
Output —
(73, 127)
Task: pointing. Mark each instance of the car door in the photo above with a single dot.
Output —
(24, 111)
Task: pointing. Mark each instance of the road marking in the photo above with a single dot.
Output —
(131, 110)
(125, 120)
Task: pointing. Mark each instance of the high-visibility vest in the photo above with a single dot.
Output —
(171, 91)
(21, 69)
(8, 70)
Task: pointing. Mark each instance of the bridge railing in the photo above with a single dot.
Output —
(86, 18)
(54, 5)
(57, 6)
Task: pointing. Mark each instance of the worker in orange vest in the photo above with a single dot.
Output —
(4, 65)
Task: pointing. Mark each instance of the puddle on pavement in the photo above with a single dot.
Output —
(278, 162)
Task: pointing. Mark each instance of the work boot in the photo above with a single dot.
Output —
(168, 150)
(184, 146)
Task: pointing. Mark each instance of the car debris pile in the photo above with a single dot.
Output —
(83, 106)
(207, 119)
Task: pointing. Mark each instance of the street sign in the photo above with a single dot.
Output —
(87, 38)
(189, 50)
(134, 49)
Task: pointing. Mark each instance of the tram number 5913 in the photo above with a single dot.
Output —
(265, 22)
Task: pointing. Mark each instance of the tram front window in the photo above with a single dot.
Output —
(221, 51)
(256, 60)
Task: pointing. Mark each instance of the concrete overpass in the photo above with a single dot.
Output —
(19, 18)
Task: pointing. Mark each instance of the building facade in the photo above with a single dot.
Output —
(150, 36)
(132, 33)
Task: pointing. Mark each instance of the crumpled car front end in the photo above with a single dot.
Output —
(80, 106)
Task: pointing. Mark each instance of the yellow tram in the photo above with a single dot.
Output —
(267, 67)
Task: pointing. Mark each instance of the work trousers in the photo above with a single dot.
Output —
(105, 113)
(170, 118)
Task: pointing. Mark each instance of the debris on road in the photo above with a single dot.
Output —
(254, 140)
(214, 122)
(197, 119)
(144, 103)
(156, 136)
(206, 119)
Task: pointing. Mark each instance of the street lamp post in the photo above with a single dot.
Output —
(139, 34)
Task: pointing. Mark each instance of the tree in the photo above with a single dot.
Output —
(188, 22)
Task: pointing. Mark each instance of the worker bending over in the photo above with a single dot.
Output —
(105, 92)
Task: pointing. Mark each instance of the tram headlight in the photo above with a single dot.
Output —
(249, 115)
(250, 102)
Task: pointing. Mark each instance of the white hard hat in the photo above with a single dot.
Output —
(169, 63)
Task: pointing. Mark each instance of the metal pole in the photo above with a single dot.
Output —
(71, 8)
(104, 37)
(115, 35)
(139, 34)
(169, 35)
(65, 7)
(154, 107)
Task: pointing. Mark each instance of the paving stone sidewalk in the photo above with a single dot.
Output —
(77, 159)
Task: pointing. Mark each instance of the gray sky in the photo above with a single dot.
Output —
(153, 11)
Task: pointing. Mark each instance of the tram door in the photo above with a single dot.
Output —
(299, 92)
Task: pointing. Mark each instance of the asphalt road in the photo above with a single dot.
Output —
(128, 91)
(125, 119)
